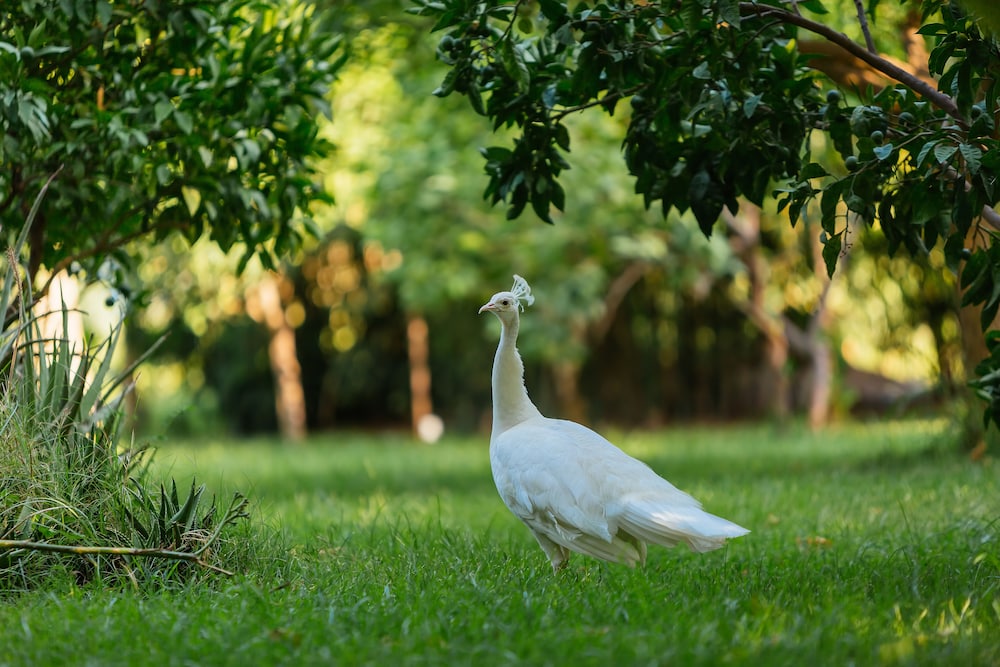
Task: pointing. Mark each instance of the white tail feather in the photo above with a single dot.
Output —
(698, 529)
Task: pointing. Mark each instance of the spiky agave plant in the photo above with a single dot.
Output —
(73, 498)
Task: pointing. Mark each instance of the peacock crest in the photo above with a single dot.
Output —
(522, 291)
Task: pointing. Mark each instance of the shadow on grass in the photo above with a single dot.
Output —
(354, 465)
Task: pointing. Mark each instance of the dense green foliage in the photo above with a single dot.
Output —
(724, 108)
(186, 117)
(864, 549)
(410, 236)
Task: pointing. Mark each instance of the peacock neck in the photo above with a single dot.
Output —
(511, 404)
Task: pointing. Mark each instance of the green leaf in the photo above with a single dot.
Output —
(206, 155)
(558, 196)
(50, 51)
(795, 211)
(192, 198)
(973, 156)
(554, 10)
(989, 311)
(925, 150)
(518, 200)
(163, 173)
(475, 97)
(944, 152)
(691, 14)
(831, 252)
(729, 11)
(184, 121)
(974, 276)
(104, 12)
(512, 58)
(932, 29)
(162, 110)
(953, 251)
(962, 215)
(699, 185)
(828, 205)
(840, 132)
(815, 6)
(447, 86)
(187, 514)
(561, 135)
(812, 170)
(750, 105)
(540, 204)
(706, 204)
(883, 152)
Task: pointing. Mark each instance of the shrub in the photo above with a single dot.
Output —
(75, 500)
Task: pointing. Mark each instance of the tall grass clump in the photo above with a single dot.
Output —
(76, 501)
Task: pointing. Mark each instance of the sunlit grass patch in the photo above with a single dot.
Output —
(870, 545)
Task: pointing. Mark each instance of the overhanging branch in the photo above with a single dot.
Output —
(894, 72)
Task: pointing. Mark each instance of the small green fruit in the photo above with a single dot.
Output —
(833, 97)
(851, 162)
(877, 137)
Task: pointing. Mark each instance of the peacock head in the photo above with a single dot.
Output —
(503, 303)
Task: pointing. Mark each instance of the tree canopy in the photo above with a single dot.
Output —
(725, 104)
(192, 118)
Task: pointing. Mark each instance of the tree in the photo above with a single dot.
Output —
(192, 118)
(724, 106)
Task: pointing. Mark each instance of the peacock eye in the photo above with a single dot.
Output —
(505, 302)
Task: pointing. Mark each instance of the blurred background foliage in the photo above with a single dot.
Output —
(639, 320)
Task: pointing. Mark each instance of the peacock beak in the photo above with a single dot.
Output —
(488, 306)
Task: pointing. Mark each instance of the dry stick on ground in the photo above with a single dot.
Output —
(191, 557)
(237, 509)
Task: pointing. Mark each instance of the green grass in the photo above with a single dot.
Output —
(870, 545)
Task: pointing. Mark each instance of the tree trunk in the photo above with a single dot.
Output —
(776, 358)
(289, 396)
(969, 317)
(781, 335)
(821, 388)
(974, 350)
(820, 354)
(64, 292)
(567, 388)
(566, 373)
(425, 424)
(745, 242)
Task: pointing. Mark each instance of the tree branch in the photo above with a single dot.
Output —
(594, 103)
(894, 72)
(617, 291)
(104, 246)
(991, 217)
(869, 42)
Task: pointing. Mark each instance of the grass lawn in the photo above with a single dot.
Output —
(866, 549)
